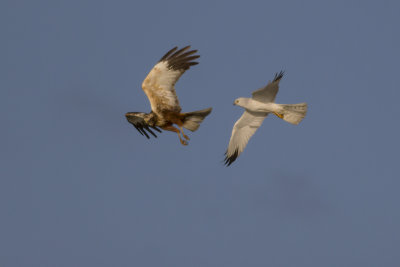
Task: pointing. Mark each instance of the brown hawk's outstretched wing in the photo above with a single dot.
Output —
(159, 83)
(138, 121)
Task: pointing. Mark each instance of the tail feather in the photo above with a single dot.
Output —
(294, 113)
(192, 120)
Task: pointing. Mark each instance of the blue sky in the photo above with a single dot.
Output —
(80, 187)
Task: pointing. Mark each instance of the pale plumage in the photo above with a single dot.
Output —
(159, 85)
(257, 109)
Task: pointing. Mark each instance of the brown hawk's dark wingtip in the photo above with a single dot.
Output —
(141, 126)
(180, 59)
(168, 53)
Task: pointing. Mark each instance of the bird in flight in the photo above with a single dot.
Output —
(257, 108)
(159, 86)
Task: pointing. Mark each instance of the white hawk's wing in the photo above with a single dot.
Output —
(242, 131)
(159, 83)
(268, 93)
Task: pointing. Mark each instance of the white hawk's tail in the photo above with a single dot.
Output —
(294, 113)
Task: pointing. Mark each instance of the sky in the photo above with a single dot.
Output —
(80, 186)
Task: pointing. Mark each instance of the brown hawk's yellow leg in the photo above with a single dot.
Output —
(173, 129)
(183, 134)
(279, 115)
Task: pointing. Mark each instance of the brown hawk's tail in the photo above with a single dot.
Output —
(192, 120)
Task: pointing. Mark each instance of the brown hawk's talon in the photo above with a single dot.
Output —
(185, 136)
(183, 142)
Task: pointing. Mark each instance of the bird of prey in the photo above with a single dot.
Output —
(257, 108)
(159, 86)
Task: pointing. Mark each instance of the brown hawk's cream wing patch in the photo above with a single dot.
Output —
(159, 88)
(159, 83)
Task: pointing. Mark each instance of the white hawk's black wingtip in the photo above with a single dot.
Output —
(278, 76)
(229, 160)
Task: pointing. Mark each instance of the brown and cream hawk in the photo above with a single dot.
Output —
(159, 86)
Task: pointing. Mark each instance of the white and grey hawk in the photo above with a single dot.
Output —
(257, 108)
